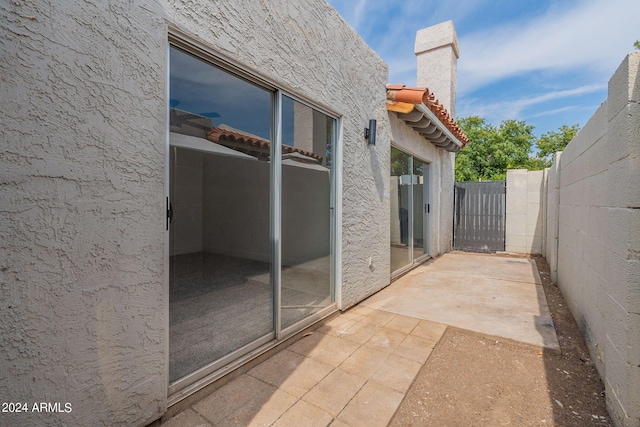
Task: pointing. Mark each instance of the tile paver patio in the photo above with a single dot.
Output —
(352, 370)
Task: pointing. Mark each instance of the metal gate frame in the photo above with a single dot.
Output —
(479, 216)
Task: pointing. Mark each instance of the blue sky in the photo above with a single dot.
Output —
(546, 62)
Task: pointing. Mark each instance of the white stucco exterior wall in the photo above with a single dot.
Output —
(82, 210)
(83, 161)
(437, 53)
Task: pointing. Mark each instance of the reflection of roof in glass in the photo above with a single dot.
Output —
(290, 162)
(200, 144)
(224, 135)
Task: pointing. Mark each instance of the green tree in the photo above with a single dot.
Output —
(554, 141)
(493, 150)
(637, 44)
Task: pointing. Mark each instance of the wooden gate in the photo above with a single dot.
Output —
(479, 216)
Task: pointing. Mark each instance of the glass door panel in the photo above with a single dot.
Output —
(220, 290)
(307, 148)
(419, 208)
(400, 186)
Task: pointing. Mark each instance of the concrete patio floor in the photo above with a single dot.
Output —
(490, 294)
(356, 368)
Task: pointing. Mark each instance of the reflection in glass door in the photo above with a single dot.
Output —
(400, 186)
(307, 149)
(250, 236)
(409, 202)
(419, 209)
(221, 298)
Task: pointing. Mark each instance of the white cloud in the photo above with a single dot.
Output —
(359, 13)
(594, 34)
(513, 109)
(390, 27)
(555, 111)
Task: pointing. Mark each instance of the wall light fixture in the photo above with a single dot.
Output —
(370, 132)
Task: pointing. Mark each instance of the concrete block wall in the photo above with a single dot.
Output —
(593, 238)
(552, 195)
(525, 200)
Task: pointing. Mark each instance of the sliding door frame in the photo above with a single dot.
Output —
(413, 261)
(191, 383)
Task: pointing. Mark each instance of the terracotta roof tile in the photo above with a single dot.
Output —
(220, 135)
(399, 97)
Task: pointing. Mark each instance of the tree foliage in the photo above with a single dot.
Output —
(492, 150)
(554, 141)
(637, 44)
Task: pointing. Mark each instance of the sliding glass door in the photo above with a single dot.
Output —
(400, 205)
(250, 215)
(221, 295)
(409, 203)
(307, 150)
(420, 208)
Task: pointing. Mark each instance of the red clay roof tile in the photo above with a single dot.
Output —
(400, 94)
(219, 135)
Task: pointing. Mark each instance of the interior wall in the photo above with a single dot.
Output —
(306, 212)
(186, 172)
(418, 212)
(236, 198)
(237, 182)
(393, 201)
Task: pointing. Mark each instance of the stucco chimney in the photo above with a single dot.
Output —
(437, 54)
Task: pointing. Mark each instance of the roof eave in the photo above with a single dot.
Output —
(457, 144)
(414, 115)
(420, 109)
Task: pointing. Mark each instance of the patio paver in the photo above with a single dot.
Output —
(354, 369)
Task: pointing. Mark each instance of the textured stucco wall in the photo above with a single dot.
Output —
(447, 182)
(598, 238)
(437, 53)
(82, 210)
(82, 175)
(525, 211)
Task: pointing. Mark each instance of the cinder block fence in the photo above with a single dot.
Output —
(583, 215)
